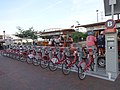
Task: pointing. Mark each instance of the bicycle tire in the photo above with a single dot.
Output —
(36, 62)
(101, 62)
(92, 66)
(14, 56)
(18, 57)
(43, 63)
(81, 73)
(65, 70)
(29, 60)
(22, 59)
(52, 66)
(11, 56)
(7, 54)
(3, 53)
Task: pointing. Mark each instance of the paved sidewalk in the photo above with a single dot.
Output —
(16, 75)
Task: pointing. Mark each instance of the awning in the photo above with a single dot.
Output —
(2, 41)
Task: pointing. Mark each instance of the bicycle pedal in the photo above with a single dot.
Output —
(88, 69)
(66, 67)
(72, 66)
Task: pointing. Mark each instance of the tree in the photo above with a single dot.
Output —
(77, 36)
(30, 33)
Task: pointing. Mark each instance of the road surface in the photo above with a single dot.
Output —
(16, 75)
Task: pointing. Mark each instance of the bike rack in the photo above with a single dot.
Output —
(98, 72)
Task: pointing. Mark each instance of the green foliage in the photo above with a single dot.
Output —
(30, 34)
(77, 36)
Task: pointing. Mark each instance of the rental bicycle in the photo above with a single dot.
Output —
(86, 63)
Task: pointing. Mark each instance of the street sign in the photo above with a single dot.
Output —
(107, 7)
(111, 2)
(110, 24)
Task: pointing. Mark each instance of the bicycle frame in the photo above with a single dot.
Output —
(55, 60)
(46, 57)
(55, 55)
(87, 65)
(68, 63)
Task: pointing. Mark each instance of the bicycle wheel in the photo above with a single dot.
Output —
(29, 60)
(7, 54)
(92, 66)
(81, 73)
(43, 63)
(2, 52)
(22, 59)
(101, 62)
(36, 62)
(14, 56)
(65, 70)
(11, 56)
(18, 57)
(52, 66)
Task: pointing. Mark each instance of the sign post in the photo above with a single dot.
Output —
(112, 2)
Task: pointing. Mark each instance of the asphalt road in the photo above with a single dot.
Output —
(16, 75)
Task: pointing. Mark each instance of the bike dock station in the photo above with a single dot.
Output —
(110, 71)
(111, 29)
(49, 54)
(105, 66)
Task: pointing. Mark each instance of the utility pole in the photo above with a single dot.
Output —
(4, 34)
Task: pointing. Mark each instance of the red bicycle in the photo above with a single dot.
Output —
(86, 63)
(46, 57)
(58, 57)
(38, 57)
(70, 61)
(23, 55)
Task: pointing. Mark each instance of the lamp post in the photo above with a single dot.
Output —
(97, 15)
(118, 16)
(78, 23)
(4, 34)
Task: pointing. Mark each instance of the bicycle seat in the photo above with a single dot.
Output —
(90, 51)
(84, 57)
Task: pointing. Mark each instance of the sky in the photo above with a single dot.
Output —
(45, 14)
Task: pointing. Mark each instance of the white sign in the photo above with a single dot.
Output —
(110, 23)
(111, 2)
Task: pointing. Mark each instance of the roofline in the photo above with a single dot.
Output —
(95, 24)
(59, 30)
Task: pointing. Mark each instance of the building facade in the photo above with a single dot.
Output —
(58, 32)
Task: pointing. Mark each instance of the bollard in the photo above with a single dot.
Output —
(109, 75)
